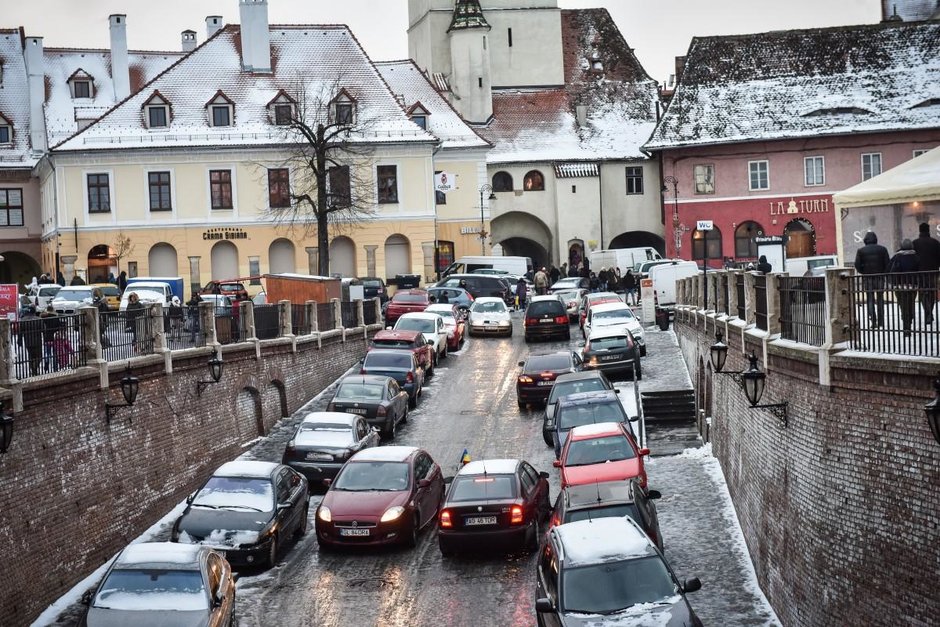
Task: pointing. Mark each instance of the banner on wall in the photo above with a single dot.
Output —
(9, 301)
(444, 182)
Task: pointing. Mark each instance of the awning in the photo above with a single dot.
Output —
(917, 180)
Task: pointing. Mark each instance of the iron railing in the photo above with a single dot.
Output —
(760, 307)
(368, 312)
(227, 330)
(894, 313)
(803, 309)
(325, 318)
(267, 321)
(348, 311)
(47, 344)
(183, 332)
(298, 319)
(125, 334)
(739, 288)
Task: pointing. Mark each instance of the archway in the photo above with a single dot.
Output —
(801, 238)
(273, 403)
(397, 256)
(248, 413)
(575, 253)
(518, 232)
(522, 247)
(18, 268)
(101, 262)
(638, 239)
(162, 260)
(343, 256)
(281, 256)
(224, 259)
(744, 244)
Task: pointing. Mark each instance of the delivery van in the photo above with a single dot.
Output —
(664, 279)
(623, 258)
(516, 266)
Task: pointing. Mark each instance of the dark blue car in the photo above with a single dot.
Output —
(401, 365)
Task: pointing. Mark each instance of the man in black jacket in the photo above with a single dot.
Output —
(873, 258)
(928, 257)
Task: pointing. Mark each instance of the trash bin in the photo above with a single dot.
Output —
(662, 319)
(408, 281)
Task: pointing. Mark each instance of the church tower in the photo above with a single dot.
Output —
(470, 79)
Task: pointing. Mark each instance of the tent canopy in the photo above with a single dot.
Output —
(917, 180)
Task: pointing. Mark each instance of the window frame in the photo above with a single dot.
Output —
(217, 107)
(751, 165)
(706, 168)
(9, 130)
(820, 175)
(440, 198)
(634, 181)
(95, 207)
(221, 184)
(531, 176)
(707, 243)
(750, 241)
(279, 184)
(151, 109)
(160, 184)
(280, 107)
(503, 188)
(343, 119)
(872, 173)
(391, 195)
(331, 182)
(420, 116)
(918, 152)
(6, 207)
(86, 84)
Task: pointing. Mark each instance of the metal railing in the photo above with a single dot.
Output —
(325, 317)
(739, 290)
(298, 319)
(182, 328)
(894, 313)
(267, 321)
(125, 334)
(368, 312)
(227, 329)
(760, 307)
(726, 290)
(803, 309)
(348, 311)
(48, 344)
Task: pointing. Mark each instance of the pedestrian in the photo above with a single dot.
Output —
(541, 282)
(573, 270)
(63, 349)
(77, 280)
(872, 260)
(522, 289)
(133, 317)
(593, 282)
(563, 271)
(903, 267)
(29, 335)
(602, 280)
(50, 327)
(763, 266)
(192, 307)
(122, 281)
(928, 258)
(111, 278)
(44, 279)
(629, 287)
(554, 274)
(585, 271)
(33, 285)
(618, 281)
(59, 278)
(101, 304)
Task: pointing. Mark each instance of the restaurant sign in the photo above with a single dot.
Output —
(796, 207)
(224, 233)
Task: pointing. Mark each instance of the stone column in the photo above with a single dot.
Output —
(155, 327)
(733, 292)
(6, 355)
(838, 315)
(68, 271)
(284, 318)
(370, 260)
(750, 299)
(195, 278)
(430, 271)
(377, 303)
(207, 322)
(337, 313)
(360, 317)
(246, 320)
(313, 265)
(773, 302)
(313, 322)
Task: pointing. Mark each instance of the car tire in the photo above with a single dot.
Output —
(444, 354)
(390, 429)
(325, 547)
(413, 401)
(642, 351)
(567, 335)
(547, 438)
(412, 538)
(446, 549)
(302, 526)
(639, 373)
(272, 552)
(522, 404)
(531, 542)
(404, 416)
(431, 364)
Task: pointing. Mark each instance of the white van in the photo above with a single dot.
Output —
(148, 292)
(798, 266)
(516, 266)
(623, 258)
(664, 279)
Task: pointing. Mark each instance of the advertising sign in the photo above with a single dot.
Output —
(9, 297)
(648, 300)
(445, 182)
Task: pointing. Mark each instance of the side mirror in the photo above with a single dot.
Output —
(654, 494)
(634, 418)
(282, 506)
(448, 480)
(543, 475)
(691, 585)
(616, 390)
(424, 483)
(543, 606)
(644, 452)
(87, 596)
(521, 364)
(327, 482)
(431, 342)
(190, 498)
(388, 328)
(557, 463)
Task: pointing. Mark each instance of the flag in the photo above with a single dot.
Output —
(465, 458)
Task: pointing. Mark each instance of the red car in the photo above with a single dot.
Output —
(406, 340)
(597, 298)
(601, 452)
(383, 495)
(405, 301)
(453, 321)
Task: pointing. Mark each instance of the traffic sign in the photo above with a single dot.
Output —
(704, 225)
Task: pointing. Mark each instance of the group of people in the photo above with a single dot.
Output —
(904, 277)
(46, 279)
(606, 280)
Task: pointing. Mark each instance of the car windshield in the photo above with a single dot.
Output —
(564, 388)
(110, 290)
(383, 359)
(488, 307)
(409, 298)
(373, 476)
(614, 586)
(71, 294)
(612, 448)
(370, 391)
(545, 308)
(51, 290)
(249, 493)
(446, 314)
(589, 414)
(608, 343)
(392, 343)
(482, 488)
(610, 511)
(152, 589)
(232, 287)
(415, 324)
(614, 316)
(567, 294)
(538, 363)
(324, 434)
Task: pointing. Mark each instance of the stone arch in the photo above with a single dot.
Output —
(224, 260)
(18, 268)
(397, 256)
(744, 245)
(273, 403)
(525, 235)
(102, 261)
(282, 256)
(343, 256)
(636, 239)
(249, 414)
(162, 260)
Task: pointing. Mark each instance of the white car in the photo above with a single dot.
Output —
(449, 314)
(572, 300)
(615, 314)
(431, 325)
(489, 315)
(69, 299)
(42, 295)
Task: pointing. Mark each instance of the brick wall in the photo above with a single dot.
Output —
(74, 490)
(840, 510)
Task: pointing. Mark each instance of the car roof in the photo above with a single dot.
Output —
(413, 290)
(392, 351)
(596, 494)
(596, 296)
(420, 315)
(587, 398)
(598, 429)
(579, 376)
(602, 307)
(490, 466)
(245, 468)
(331, 417)
(363, 378)
(180, 556)
(489, 299)
(385, 454)
(439, 307)
(602, 540)
(610, 330)
(543, 297)
(397, 334)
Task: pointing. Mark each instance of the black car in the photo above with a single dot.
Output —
(546, 317)
(587, 408)
(479, 285)
(610, 498)
(614, 351)
(607, 568)
(324, 440)
(245, 510)
(401, 365)
(573, 383)
(534, 384)
(494, 503)
(377, 398)
(373, 287)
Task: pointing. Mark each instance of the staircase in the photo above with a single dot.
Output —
(671, 406)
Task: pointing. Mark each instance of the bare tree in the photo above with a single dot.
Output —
(123, 247)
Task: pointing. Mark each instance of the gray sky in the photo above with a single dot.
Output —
(659, 30)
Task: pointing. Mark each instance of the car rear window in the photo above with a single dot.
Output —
(615, 314)
(483, 488)
(409, 298)
(545, 308)
(392, 343)
(610, 511)
(382, 359)
(548, 362)
(415, 324)
(609, 343)
(232, 287)
(488, 307)
(589, 414)
(564, 388)
(324, 434)
(371, 391)
(612, 448)
(372, 283)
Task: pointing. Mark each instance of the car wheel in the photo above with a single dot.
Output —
(404, 416)
(413, 401)
(431, 363)
(510, 332)
(272, 552)
(325, 547)
(446, 549)
(390, 429)
(567, 335)
(531, 542)
(302, 525)
(639, 373)
(444, 354)
(547, 437)
(412, 538)
(522, 404)
(642, 351)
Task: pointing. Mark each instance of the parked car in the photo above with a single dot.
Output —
(494, 503)
(452, 296)
(68, 299)
(614, 314)
(162, 583)
(608, 569)
(609, 499)
(246, 509)
(546, 317)
(111, 293)
(378, 399)
(374, 287)
(42, 295)
(405, 301)
(597, 298)
(604, 451)
(233, 289)
(612, 350)
(454, 324)
(480, 285)
(587, 408)
(569, 283)
(572, 301)
(324, 441)
(431, 325)
(383, 495)
(489, 316)
(534, 384)
(572, 383)
(410, 340)
(401, 365)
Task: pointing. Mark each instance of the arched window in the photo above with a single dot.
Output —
(801, 238)
(502, 182)
(534, 182)
(706, 242)
(343, 256)
(162, 260)
(744, 244)
(281, 256)
(224, 259)
(397, 256)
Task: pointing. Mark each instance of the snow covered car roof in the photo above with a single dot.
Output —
(332, 417)
(184, 556)
(490, 466)
(602, 540)
(604, 307)
(384, 454)
(598, 429)
(245, 468)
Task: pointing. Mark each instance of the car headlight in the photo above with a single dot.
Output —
(325, 514)
(392, 513)
(592, 361)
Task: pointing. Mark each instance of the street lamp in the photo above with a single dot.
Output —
(215, 371)
(485, 188)
(130, 385)
(676, 227)
(753, 380)
(932, 409)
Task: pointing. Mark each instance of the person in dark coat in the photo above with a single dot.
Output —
(522, 289)
(629, 287)
(101, 304)
(134, 317)
(553, 274)
(29, 332)
(903, 267)
(928, 256)
(873, 259)
(763, 265)
(122, 280)
(77, 280)
(50, 327)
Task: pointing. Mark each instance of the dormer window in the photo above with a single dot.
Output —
(343, 108)
(6, 131)
(419, 115)
(221, 110)
(156, 111)
(81, 84)
(281, 109)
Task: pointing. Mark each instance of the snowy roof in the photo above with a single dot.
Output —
(602, 540)
(14, 101)
(159, 553)
(63, 112)
(406, 80)
(246, 468)
(385, 454)
(601, 74)
(916, 180)
(599, 428)
(490, 466)
(805, 83)
(329, 417)
(311, 62)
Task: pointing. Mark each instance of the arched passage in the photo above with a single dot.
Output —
(524, 235)
(224, 258)
(248, 413)
(273, 403)
(343, 257)
(397, 256)
(19, 268)
(162, 260)
(637, 239)
(101, 262)
(281, 256)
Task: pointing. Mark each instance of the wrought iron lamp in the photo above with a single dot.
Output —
(752, 380)
(215, 371)
(6, 430)
(932, 409)
(486, 187)
(130, 385)
(718, 352)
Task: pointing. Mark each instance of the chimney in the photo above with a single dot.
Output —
(213, 24)
(120, 72)
(256, 38)
(188, 40)
(36, 79)
(581, 113)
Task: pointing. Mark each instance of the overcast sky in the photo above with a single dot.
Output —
(659, 30)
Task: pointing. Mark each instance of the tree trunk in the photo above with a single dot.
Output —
(323, 209)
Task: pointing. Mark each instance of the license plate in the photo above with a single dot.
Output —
(356, 411)
(610, 357)
(480, 520)
(354, 532)
(487, 322)
(546, 320)
(322, 457)
(545, 382)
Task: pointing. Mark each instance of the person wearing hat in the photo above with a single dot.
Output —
(928, 258)
(541, 282)
(903, 266)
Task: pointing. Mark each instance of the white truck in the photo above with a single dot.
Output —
(623, 258)
(664, 279)
(516, 266)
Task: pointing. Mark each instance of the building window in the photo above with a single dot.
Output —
(159, 185)
(704, 178)
(918, 153)
(11, 207)
(759, 174)
(6, 134)
(815, 171)
(388, 183)
(510, 37)
(440, 198)
(871, 165)
(339, 186)
(279, 187)
(445, 255)
(534, 182)
(82, 89)
(502, 182)
(706, 242)
(220, 184)
(221, 115)
(744, 244)
(634, 180)
(157, 117)
(99, 193)
(420, 120)
(283, 114)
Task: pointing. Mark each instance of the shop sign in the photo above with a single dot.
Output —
(224, 233)
(796, 207)
(704, 225)
(9, 301)
(470, 230)
(444, 182)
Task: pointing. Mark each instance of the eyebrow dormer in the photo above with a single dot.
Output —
(157, 111)
(220, 110)
(81, 84)
(343, 108)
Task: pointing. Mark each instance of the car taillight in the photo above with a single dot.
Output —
(529, 321)
(548, 375)
(561, 319)
(446, 522)
(515, 515)
(410, 377)
(380, 411)
(555, 520)
(525, 379)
